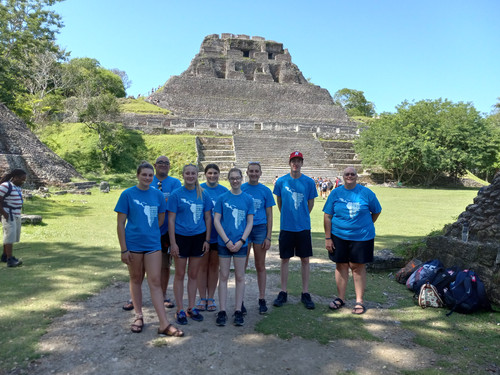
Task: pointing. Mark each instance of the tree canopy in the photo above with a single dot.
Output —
(424, 140)
(354, 102)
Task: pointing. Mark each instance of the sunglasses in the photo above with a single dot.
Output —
(350, 174)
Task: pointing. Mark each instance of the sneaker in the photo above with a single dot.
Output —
(306, 300)
(14, 262)
(4, 258)
(262, 306)
(238, 318)
(181, 318)
(282, 297)
(195, 315)
(221, 318)
(243, 309)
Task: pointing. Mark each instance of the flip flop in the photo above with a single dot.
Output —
(211, 305)
(202, 304)
(359, 306)
(336, 304)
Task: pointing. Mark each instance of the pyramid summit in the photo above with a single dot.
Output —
(247, 83)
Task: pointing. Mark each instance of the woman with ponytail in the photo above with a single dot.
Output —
(11, 202)
(189, 227)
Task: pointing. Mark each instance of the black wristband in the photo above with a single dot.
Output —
(125, 251)
(225, 243)
(243, 241)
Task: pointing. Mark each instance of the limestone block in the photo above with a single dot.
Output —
(283, 57)
(104, 187)
(243, 36)
(31, 219)
(258, 38)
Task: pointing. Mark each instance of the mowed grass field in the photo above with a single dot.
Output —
(75, 253)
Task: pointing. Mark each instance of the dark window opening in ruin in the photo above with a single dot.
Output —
(246, 53)
(270, 56)
(257, 125)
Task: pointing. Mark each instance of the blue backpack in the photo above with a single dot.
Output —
(466, 294)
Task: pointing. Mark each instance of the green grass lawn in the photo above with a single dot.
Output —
(75, 253)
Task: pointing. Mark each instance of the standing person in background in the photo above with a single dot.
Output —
(190, 224)
(166, 184)
(11, 202)
(140, 213)
(260, 236)
(208, 274)
(295, 195)
(350, 213)
(233, 220)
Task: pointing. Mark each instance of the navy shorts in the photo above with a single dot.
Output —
(190, 246)
(352, 251)
(258, 234)
(225, 253)
(295, 243)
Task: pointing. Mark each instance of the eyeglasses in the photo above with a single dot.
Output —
(350, 174)
(163, 162)
(234, 179)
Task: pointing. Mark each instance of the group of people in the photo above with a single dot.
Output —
(203, 226)
(324, 186)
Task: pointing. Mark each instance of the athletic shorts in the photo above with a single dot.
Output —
(352, 251)
(295, 243)
(190, 246)
(11, 230)
(258, 234)
(214, 246)
(166, 261)
(225, 253)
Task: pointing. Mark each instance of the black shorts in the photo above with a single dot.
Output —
(295, 243)
(352, 251)
(214, 246)
(190, 246)
(165, 243)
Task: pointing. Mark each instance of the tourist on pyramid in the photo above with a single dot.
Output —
(260, 236)
(11, 202)
(233, 220)
(208, 274)
(189, 227)
(295, 193)
(350, 213)
(140, 214)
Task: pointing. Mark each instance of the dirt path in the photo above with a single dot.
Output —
(94, 338)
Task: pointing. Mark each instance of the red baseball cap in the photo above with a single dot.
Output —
(296, 154)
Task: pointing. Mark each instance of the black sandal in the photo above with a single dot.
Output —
(359, 306)
(136, 328)
(336, 304)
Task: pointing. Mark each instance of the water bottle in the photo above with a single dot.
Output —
(465, 231)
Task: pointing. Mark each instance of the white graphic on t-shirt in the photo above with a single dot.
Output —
(297, 197)
(196, 209)
(353, 207)
(238, 215)
(151, 212)
(257, 204)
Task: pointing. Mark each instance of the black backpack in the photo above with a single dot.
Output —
(466, 294)
(444, 278)
(424, 274)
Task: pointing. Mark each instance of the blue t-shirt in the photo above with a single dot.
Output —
(166, 186)
(214, 193)
(295, 193)
(142, 208)
(190, 210)
(262, 199)
(234, 210)
(352, 211)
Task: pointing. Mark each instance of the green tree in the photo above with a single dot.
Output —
(27, 29)
(427, 139)
(354, 102)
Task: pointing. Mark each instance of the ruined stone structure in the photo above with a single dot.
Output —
(474, 239)
(20, 148)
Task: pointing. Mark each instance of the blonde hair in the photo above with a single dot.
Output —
(199, 189)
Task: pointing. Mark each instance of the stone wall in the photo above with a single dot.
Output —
(20, 148)
(473, 241)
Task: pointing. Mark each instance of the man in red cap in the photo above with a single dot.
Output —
(295, 193)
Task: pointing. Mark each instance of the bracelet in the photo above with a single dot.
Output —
(267, 238)
(207, 242)
(125, 251)
(225, 243)
(328, 238)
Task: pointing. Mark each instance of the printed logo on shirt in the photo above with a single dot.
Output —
(196, 209)
(238, 215)
(353, 207)
(297, 197)
(257, 204)
(151, 212)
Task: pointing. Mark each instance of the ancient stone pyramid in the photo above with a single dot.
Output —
(248, 83)
(20, 148)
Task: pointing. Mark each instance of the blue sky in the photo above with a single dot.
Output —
(393, 50)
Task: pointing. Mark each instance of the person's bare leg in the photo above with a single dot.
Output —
(153, 270)
(341, 279)
(224, 264)
(305, 270)
(202, 278)
(136, 272)
(284, 274)
(180, 271)
(260, 267)
(192, 284)
(359, 278)
(239, 275)
(213, 272)
(165, 274)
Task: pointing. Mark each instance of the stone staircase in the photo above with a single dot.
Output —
(341, 155)
(215, 150)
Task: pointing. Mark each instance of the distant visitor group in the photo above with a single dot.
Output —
(202, 227)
